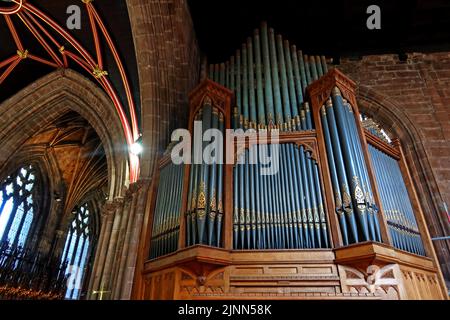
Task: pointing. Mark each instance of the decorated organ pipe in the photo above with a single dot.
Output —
(284, 210)
(397, 206)
(269, 77)
(354, 199)
(323, 167)
(166, 216)
(205, 203)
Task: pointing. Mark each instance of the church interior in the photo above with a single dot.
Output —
(352, 103)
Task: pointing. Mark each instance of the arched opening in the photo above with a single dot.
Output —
(56, 173)
(397, 124)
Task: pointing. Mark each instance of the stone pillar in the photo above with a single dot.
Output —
(107, 216)
(135, 236)
(131, 197)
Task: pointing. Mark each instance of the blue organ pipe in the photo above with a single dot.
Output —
(321, 207)
(239, 90)
(355, 187)
(309, 124)
(373, 209)
(275, 80)
(302, 194)
(211, 208)
(202, 193)
(156, 215)
(245, 102)
(312, 193)
(358, 167)
(312, 65)
(292, 196)
(277, 207)
(219, 183)
(287, 198)
(268, 96)
(401, 205)
(319, 67)
(259, 80)
(252, 197)
(260, 227)
(242, 200)
(269, 200)
(334, 177)
(281, 209)
(307, 194)
(298, 84)
(303, 75)
(292, 88)
(340, 169)
(233, 88)
(176, 222)
(303, 119)
(296, 195)
(284, 83)
(251, 85)
(384, 197)
(164, 211)
(309, 78)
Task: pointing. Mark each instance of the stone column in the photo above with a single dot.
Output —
(107, 216)
(110, 247)
(131, 196)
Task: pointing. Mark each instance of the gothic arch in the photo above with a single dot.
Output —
(397, 122)
(50, 177)
(41, 103)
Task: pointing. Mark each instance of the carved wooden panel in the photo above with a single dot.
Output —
(160, 285)
(205, 284)
(385, 281)
(284, 279)
(421, 285)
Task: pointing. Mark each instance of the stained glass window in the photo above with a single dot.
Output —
(76, 250)
(17, 206)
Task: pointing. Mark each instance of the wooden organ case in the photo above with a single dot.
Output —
(340, 219)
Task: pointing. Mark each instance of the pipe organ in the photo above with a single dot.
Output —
(339, 208)
(166, 224)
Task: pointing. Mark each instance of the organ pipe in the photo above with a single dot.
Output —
(285, 210)
(166, 217)
(397, 206)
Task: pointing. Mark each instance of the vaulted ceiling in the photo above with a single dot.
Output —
(78, 153)
(114, 16)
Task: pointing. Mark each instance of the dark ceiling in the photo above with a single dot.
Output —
(115, 16)
(335, 28)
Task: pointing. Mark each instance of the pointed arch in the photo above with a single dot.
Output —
(393, 119)
(45, 100)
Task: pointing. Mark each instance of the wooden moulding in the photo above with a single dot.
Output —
(374, 253)
(219, 257)
(390, 150)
